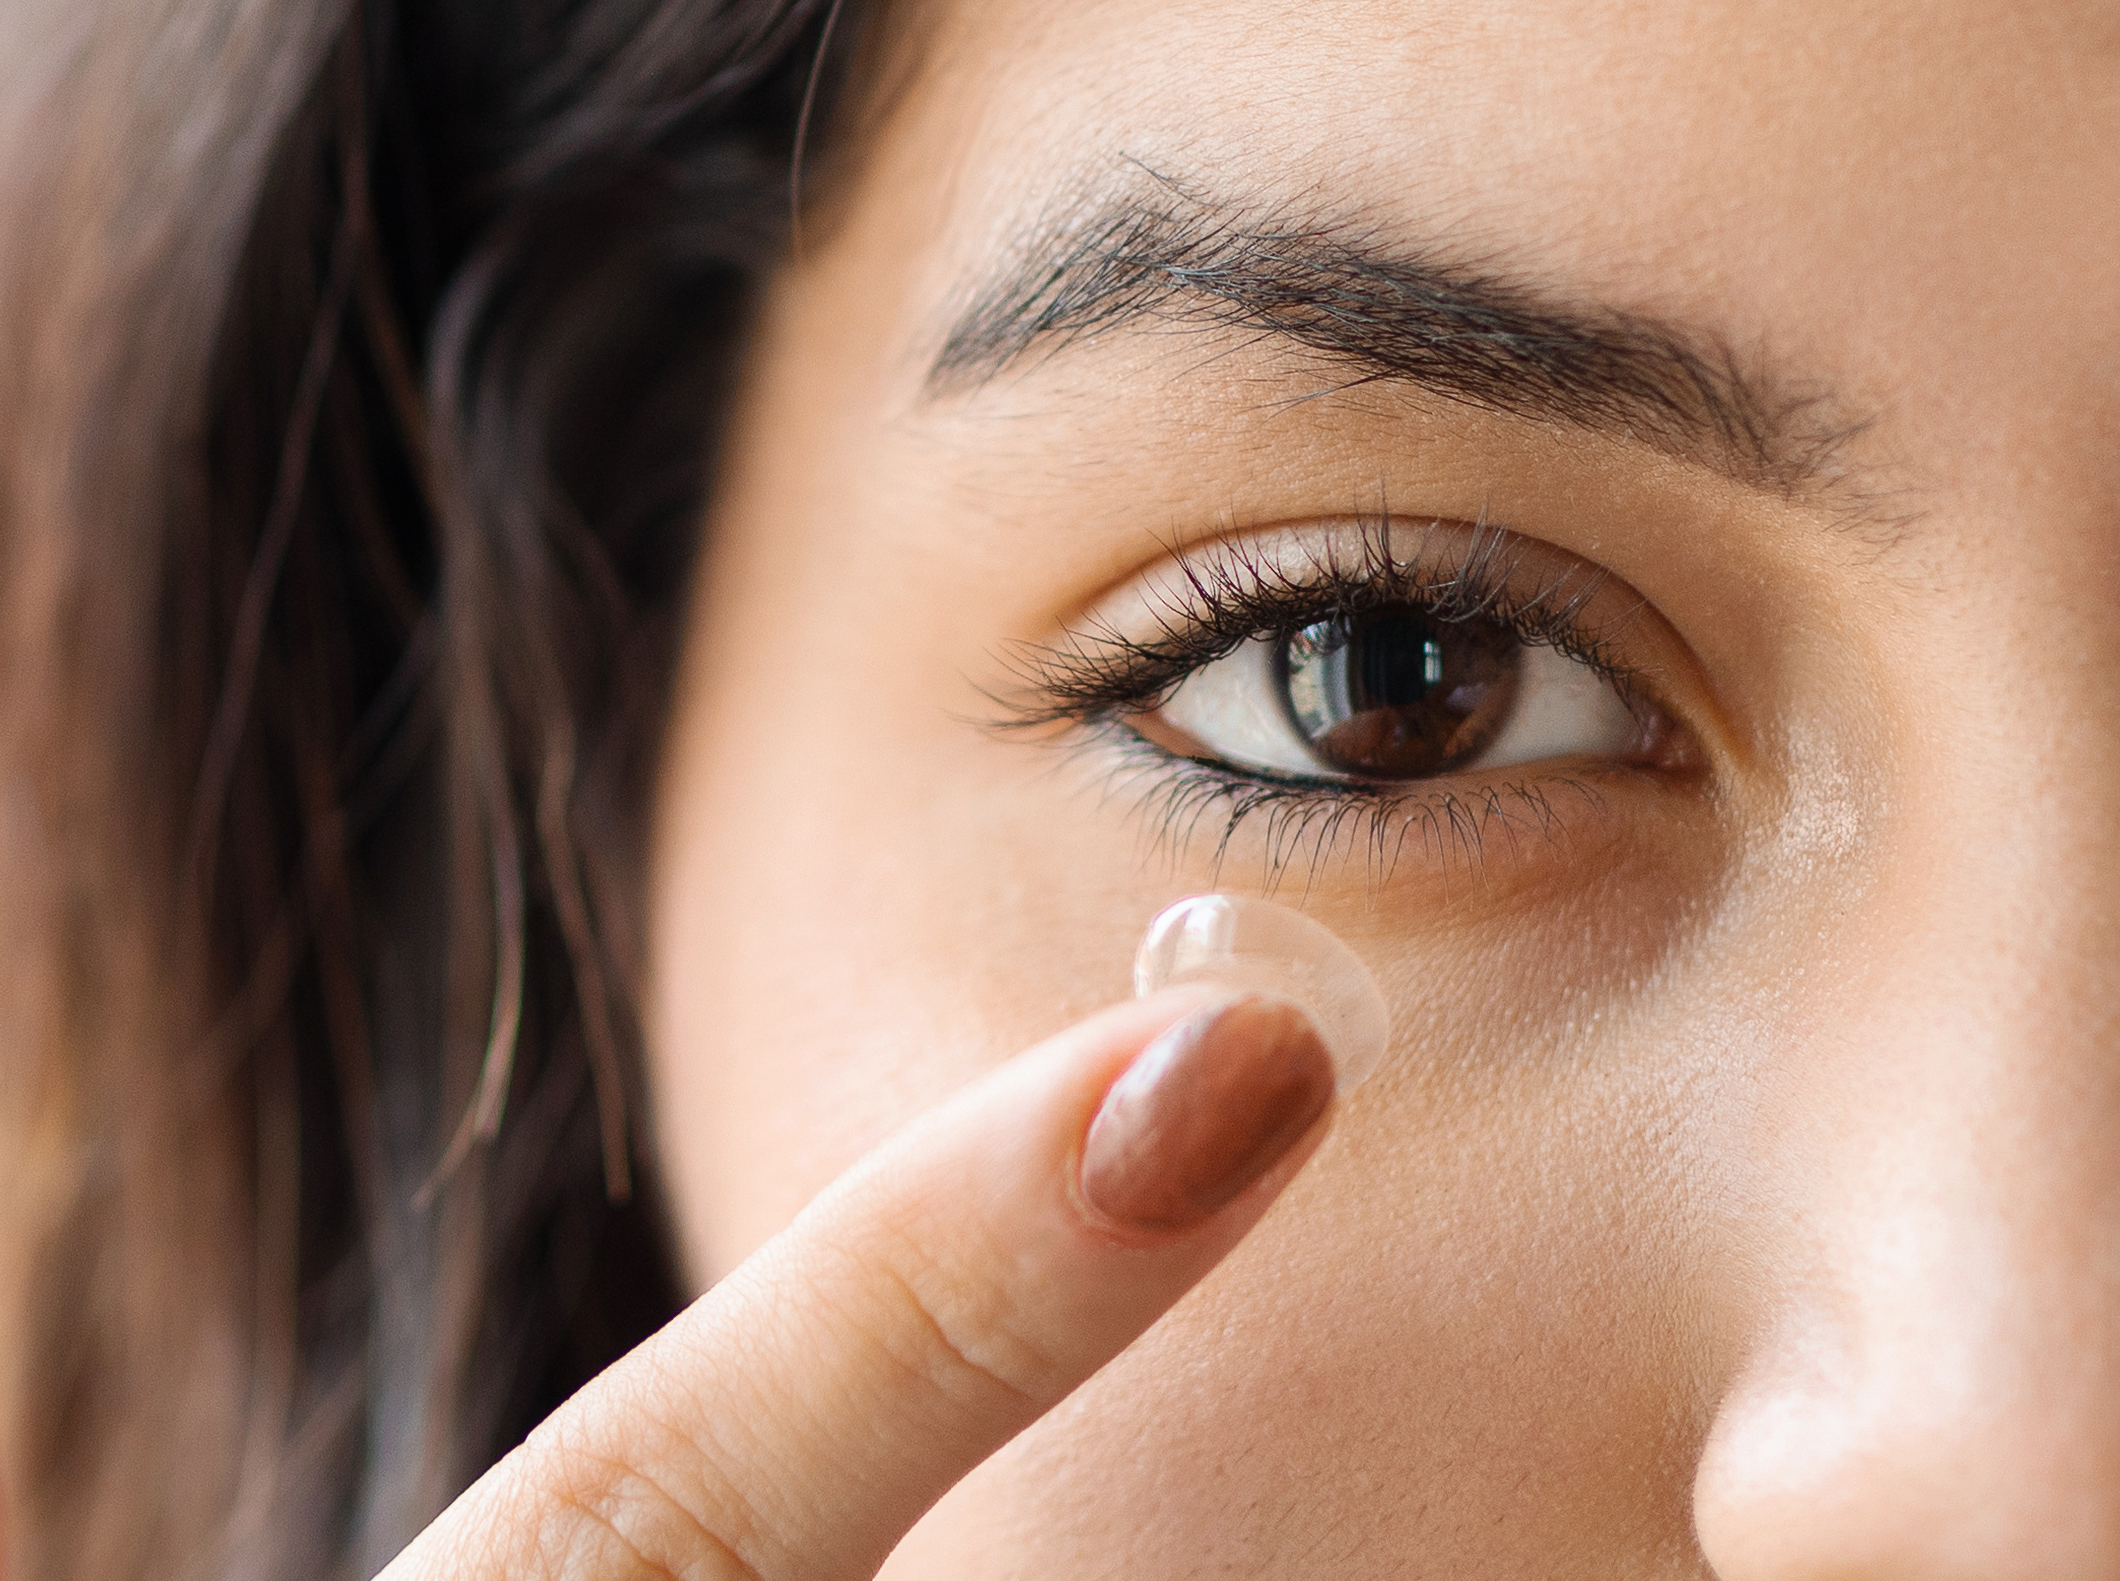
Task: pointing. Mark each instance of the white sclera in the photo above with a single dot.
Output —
(1254, 944)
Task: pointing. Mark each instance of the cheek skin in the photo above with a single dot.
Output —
(1517, 1160)
(1476, 1313)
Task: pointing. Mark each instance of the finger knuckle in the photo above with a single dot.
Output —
(965, 1333)
(603, 1518)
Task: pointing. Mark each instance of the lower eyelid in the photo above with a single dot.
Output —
(1470, 821)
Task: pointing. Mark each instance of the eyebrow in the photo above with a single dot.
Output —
(1392, 315)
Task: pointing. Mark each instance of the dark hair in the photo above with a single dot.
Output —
(359, 366)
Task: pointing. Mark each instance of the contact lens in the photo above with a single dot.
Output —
(1255, 944)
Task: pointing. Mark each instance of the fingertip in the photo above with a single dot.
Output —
(1203, 1113)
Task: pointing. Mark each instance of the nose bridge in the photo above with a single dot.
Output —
(1966, 1073)
(1934, 1390)
(1966, 1223)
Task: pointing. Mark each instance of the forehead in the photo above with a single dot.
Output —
(1430, 101)
(1826, 181)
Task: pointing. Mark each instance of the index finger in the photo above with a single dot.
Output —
(933, 1303)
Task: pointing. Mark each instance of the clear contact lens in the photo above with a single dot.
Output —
(1245, 943)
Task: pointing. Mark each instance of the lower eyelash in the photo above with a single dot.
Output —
(1307, 821)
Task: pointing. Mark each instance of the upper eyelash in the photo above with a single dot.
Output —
(1230, 595)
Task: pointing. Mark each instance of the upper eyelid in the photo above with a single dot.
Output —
(1227, 592)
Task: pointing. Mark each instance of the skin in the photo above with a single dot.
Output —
(1739, 1195)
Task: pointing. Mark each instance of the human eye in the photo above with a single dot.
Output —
(1437, 672)
(1394, 695)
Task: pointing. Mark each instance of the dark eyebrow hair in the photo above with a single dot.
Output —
(1386, 314)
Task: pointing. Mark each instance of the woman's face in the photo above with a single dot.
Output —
(1728, 396)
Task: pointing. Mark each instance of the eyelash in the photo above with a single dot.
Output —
(1097, 677)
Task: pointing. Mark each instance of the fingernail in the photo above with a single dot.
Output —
(1203, 1111)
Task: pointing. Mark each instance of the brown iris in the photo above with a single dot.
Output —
(1399, 694)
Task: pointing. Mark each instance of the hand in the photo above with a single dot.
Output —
(931, 1304)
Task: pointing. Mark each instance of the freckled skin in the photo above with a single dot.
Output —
(1738, 1196)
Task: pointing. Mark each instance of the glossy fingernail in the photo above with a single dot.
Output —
(1205, 1110)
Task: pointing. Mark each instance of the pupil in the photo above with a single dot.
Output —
(1398, 694)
